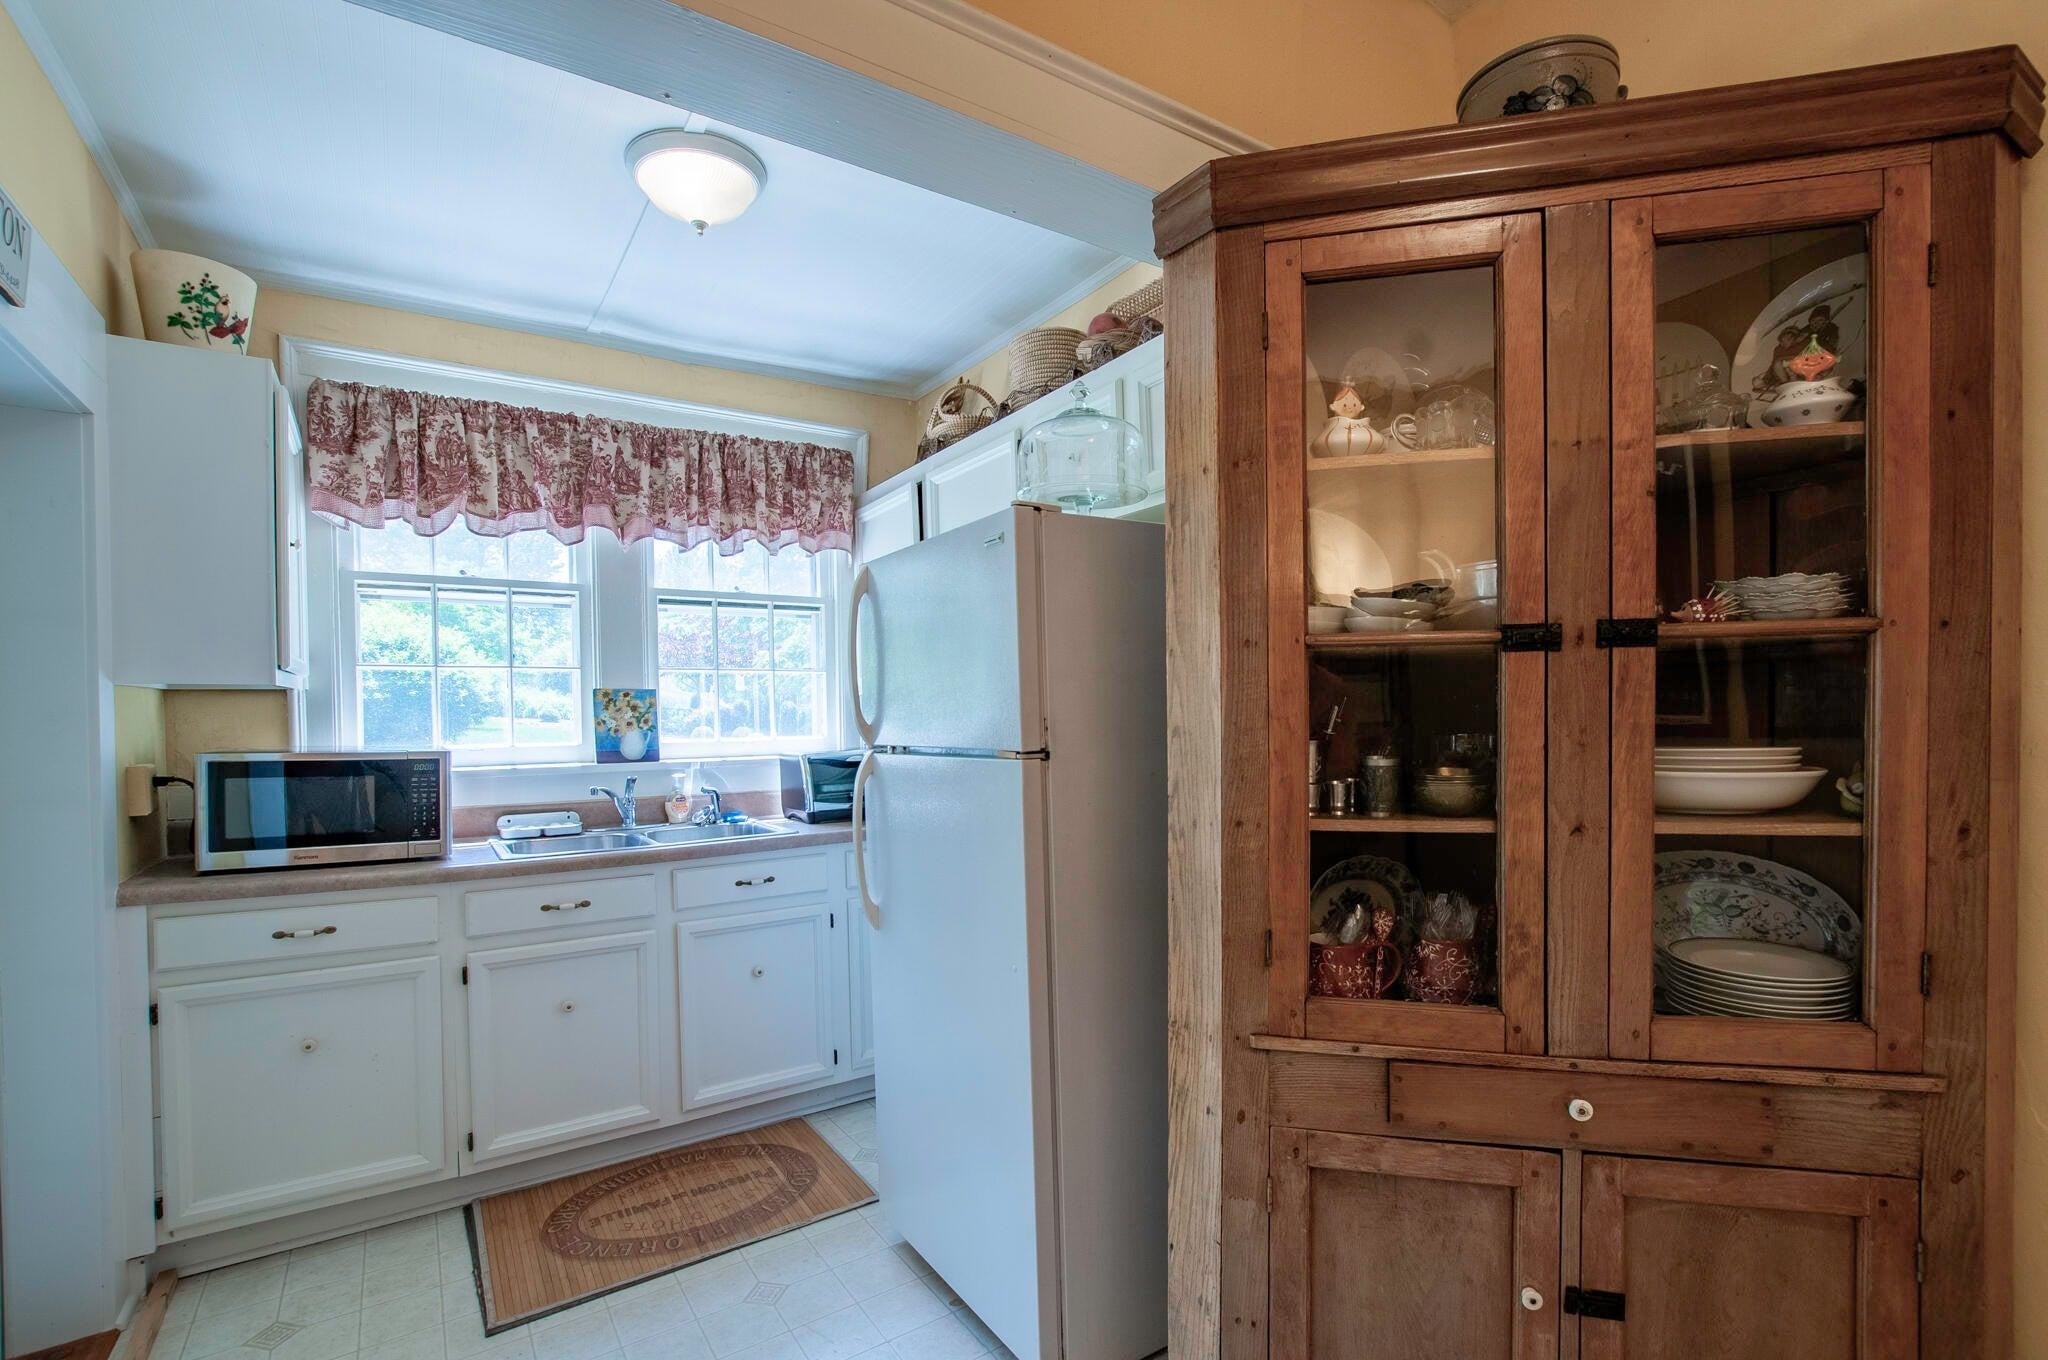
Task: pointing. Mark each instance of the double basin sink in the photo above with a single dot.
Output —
(633, 838)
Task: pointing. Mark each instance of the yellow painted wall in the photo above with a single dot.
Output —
(47, 171)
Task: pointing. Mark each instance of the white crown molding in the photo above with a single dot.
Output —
(343, 291)
(985, 351)
(44, 51)
(1005, 37)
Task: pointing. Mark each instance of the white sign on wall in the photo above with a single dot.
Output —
(14, 234)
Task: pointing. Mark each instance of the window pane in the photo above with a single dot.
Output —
(543, 630)
(743, 636)
(683, 570)
(458, 552)
(473, 628)
(395, 708)
(745, 570)
(476, 709)
(743, 704)
(544, 709)
(394, 626)
(796, 639)
(533, 555)
(685, 706)
(796, 706)
(792, 572)
(683, 636)
(395, 547)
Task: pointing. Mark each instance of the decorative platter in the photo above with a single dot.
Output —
(1382, 881)
(1842, 286)
(1743, 897)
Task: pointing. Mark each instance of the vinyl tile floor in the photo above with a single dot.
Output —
(844, 1288)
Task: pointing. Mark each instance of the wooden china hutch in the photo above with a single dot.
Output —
(1594, 590)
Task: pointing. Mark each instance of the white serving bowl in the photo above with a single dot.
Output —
(1809, 403)
(1386, 607)
(1732, 791)
(1374, 623)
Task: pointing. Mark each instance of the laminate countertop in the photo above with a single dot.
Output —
(172, 881)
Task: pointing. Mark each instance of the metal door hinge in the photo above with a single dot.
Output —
(1610, 1304)
(1933, 263)
(152, 1013)
(1625, 633)
(159, 1208)
(831, 920)
(1266, 949)
(472, 1142)
(465, 975)
(1927, 975)
(835, 1057)
(1532, 637)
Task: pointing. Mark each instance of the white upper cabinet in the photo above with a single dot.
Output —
(296, 1088)
(207, 504)
(887, 523)
(978, 479)
(563, 1042)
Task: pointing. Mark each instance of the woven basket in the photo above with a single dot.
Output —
(954, 418)
(1100, 348)
(1147, 301)
(1043, 357)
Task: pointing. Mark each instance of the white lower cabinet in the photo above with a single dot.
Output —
(763, 998)
(298, 1087)
(562, 1042)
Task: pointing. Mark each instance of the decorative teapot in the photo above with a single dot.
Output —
(1347, 433)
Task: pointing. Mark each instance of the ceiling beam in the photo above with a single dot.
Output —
(663, 52)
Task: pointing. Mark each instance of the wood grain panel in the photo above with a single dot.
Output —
(1989, 90)
(1318, 1091)
(1480, 1028)
(1794, 203)
(1972, 770)
(1441, 245)
(1216, 707)
(1770, 1043)
(1576, 700)
(1286, 575)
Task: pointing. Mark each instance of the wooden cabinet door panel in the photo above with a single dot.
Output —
(1742, 1263)
(1385, 1249)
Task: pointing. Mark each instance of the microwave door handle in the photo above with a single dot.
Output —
(862, 583)
(860, 854)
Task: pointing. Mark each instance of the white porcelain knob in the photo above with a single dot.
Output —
(1580, 1110)
(568, 1006)
(1531, 1299)
(308, 1045)
(759, 971)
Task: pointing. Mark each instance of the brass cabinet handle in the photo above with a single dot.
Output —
(565, 906)
(302, 934)
(749, 883)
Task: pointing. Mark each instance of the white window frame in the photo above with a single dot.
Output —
(617, 612)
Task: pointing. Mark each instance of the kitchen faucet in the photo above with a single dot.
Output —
(626, 803)
(711, 813)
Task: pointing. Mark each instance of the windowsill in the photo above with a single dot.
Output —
(516, 784)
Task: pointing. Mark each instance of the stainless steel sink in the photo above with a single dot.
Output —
(641, 838)
(722, 831)
(587, 843)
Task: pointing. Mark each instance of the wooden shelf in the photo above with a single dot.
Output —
(1453, 826)
(1365, 642)
(1402, 458)
(1767, 630)
(1806, 438)
(1794, 823)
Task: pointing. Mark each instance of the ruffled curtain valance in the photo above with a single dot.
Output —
(377, 454)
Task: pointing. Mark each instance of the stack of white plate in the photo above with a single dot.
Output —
(1794, 595)
(1731, 779)
(1754, 978)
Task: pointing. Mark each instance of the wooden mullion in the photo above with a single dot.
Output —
(1602, 1246)
(1290, 1242)
(1286, 642)
(1782, 205)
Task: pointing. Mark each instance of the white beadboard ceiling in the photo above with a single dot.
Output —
(331, 148)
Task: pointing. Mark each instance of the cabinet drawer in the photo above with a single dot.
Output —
(283, 934)
(749, 877)
(558, 902)
(1848, 1130)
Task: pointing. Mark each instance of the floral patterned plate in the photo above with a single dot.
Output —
(1742, 897)
(1381, 881)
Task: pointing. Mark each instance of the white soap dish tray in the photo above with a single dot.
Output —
(522, 826)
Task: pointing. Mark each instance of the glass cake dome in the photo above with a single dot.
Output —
(1082, 459)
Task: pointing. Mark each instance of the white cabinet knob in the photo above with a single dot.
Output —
(1580, 1110)
(759, 971)
(1531, 1299)
(308, 1045)
(568, 1006)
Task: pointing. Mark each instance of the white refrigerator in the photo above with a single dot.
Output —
(1010, 833)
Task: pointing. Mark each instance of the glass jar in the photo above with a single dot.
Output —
(1082, 459)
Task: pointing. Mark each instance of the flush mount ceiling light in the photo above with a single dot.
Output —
(695, 177)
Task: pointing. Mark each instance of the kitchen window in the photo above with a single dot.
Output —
(740, 644)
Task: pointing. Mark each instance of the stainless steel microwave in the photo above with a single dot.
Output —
(286, 810)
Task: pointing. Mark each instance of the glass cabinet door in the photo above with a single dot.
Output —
(1405, 484)
(1769, 606)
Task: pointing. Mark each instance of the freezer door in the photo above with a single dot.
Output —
(945, 637)
(963, 1079)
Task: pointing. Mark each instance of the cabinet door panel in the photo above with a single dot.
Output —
(887, 523)
(1384, 1249)
(561, 1042)
(971, 485)
(762, 1002)
(1739, 1263)
(281, 1090)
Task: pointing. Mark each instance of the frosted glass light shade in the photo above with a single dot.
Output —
(695, 177)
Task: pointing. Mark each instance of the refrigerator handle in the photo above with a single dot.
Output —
(860, 851)
(861, 582)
